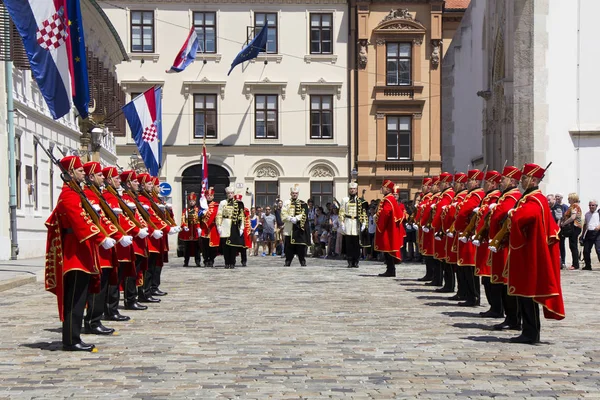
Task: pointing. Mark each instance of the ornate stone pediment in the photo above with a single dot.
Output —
(321, 171)
(267, 171)
(402, 13)
(400, 21)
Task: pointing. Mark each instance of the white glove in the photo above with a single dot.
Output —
(220, 231)
(444, 207)
(131, 205)
(242, 232)
(97, 208)
(492, 206)
(162, 207)
(173, 230)
(117, 211)
(126, 241)
(437, 238)
(425, 229)
(433, 206)
(185, 228)
(108, 243)
(146, 207)
(450, 235)
(454, 204)
(493, 249)
(199, 231)
(293, 220)
(363, 227)
(203, 203)
(476, 243)
(476, 209)
(157, 234)
(415, 227)
(463, 239)
(143, 233)
(169, 205)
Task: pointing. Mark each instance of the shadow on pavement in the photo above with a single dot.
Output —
(47, 346)
(460, 313)
(488, 339)
(54, 330)
(423, 290)
(432, 297)
(441, 303)
(473, 325)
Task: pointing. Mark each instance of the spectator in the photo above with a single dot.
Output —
(279, 230)
(320, 221)
(254, 230)
(269, 222)
(408, 247)
(571, 227)
(324, 239)
(334, 243)
(372, 229)
(563, 208)
(590, 236)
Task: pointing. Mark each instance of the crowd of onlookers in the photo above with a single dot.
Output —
(576, 229)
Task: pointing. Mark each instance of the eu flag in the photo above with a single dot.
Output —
(81, 97)
(257, 45)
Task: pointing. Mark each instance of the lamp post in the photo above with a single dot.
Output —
(354, 175)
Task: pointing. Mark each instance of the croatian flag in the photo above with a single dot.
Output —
(44, 27)
(143, 115)
(187, 54)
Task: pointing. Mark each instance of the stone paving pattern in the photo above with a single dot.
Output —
(319, 332)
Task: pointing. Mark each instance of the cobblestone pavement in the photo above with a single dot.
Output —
(318, 332)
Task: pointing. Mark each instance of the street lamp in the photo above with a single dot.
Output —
(354, 175)
(96, 138)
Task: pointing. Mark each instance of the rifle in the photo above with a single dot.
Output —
(145, 215)
(105, 207)
(124, 206)
(156, 208)
(187, 221)
(68, 179)
(483, 232)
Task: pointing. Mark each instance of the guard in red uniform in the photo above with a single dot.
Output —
(210, 234)
(426, 231)
(167, 209)
(480, 241)
(532, 268)
(419, 210)
(190, 231)
(389, 233)
(108, 257)
(247, 233)
(497, 260)
(133, 286)
(465, 220)
(72, 256)
(439, 236)
(125, 254)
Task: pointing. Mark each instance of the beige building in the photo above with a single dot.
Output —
(278, 120)
(396, 89)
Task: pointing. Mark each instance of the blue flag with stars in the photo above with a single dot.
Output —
(257, 45)
(81, 97)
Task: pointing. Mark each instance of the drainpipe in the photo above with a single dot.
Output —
(12, 165)
(349, 85)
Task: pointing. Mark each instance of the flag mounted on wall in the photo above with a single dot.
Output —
(187, 54)
(47, 30)
(256, 45)
(144, 117)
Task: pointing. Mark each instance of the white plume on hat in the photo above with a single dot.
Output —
(353, 185)
(295, 188)
(229, 189)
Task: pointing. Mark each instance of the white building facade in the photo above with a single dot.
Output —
(38, 182)
(276, 121)
(533, 67)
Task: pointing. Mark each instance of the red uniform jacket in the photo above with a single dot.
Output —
(452, 243)
(439, 240)
(390, 229)
(482, 252)
(533, 265)
(247, 230)
(72, 243)
(191, 222)
(497, 260)
(155, 245)
(421, 207)
(108, 258)
(125, 255)
(209, 227)
(140, 246)
(466, 251)
(428, 236)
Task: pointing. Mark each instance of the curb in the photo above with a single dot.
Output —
(16, 282)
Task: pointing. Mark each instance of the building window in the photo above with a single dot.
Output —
(398, 138)
(205, 24)
(321, 193)
(260, 19)
(205, 116)
(399, 64)
(35, 176)
(265, 117)
(320, 33)
(18, 169)
(321, 117)
(266, 193)
(142, 31)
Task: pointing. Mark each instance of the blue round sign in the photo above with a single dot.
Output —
(165, 189)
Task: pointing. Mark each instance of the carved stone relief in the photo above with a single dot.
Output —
(435, 53)
(398, 14)
(362, 53)
(267, 171)
(321, 171)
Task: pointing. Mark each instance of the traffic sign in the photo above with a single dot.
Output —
(165, 189)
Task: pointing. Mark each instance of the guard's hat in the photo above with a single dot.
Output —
(512, 172)
(92, 167)
(475, 174)
(493, 176)
(71, 162)
(388, 184)
(533, 170)
(460, 177)
(192, 196)
(129, 175)
(110, 172)
(144, 178)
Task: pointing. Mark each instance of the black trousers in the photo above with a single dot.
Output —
(472, 285)
(352, 249)
(131, 291)
(429, 267)
(511, 306)
(437, 272)
(573, 243)
(530, 312)
(563, 253)
(294, 249)
(449, 281)
(96, 301)
(461, 281)
(75, 294)
(229, 252)
(244, 255)
(592, 239)
(209, 253)
(113, 295)
(493, 294)
(151, 277)
(390, 264)
(191, 248)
